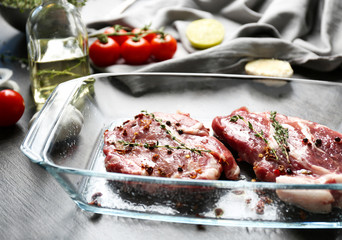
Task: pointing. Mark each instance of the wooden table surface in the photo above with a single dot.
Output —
(34, 206)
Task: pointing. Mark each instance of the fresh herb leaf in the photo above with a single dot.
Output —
(281, 134)
(256, 133)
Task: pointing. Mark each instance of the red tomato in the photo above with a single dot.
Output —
(149, 36)
(104, 54)
(12, 107)
(136, 51)
(119, 39)
(163, 48)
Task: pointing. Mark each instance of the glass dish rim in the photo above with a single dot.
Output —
(44, 161)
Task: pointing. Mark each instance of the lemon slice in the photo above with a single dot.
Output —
(205, 33)
(269, 67)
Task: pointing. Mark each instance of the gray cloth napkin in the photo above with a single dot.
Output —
(304, 32)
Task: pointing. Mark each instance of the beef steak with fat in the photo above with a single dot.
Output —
(311, 153)
(167, 145)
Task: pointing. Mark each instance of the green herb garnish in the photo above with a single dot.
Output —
(152, 146)
(281, 135)
(260, 134)
(164, 127)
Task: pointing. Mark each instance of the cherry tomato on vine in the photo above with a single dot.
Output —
(149, 36)
(136, 50)
(104, 54)
(163, 47)
(12, 107)
(119, 39)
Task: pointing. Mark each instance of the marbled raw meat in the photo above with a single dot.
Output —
(126, 150)
(314, 154)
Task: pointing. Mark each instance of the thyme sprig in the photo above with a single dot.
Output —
(281, 134)
(54, 73)
(260, 134)
(136, 36)
(152, 146)
(164, 127)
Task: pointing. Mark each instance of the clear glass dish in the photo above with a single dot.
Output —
(67, 140)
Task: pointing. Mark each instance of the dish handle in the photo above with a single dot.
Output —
(46, 126)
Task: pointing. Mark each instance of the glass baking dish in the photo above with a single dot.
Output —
(67, 140)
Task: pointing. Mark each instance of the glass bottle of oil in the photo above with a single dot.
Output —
(57, 44)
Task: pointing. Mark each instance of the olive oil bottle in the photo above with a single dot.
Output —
(57, 44)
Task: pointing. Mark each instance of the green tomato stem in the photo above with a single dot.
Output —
(140, 34)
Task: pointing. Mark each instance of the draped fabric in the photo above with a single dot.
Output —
(307, 33)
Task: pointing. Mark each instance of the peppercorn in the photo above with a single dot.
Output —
(318, 142)
(140, 115)
(149, 170)
(180, 131)
(94, 199)
(289, 171)
(218, 212)
(151, 146)
(281, 168)
(161, 173)
(305, 140)
(155, 157)
(337, 139)
(168, 123)
(180, 169)
(96, 195)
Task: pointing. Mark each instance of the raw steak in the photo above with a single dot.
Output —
(167, 145)
(312, 154)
